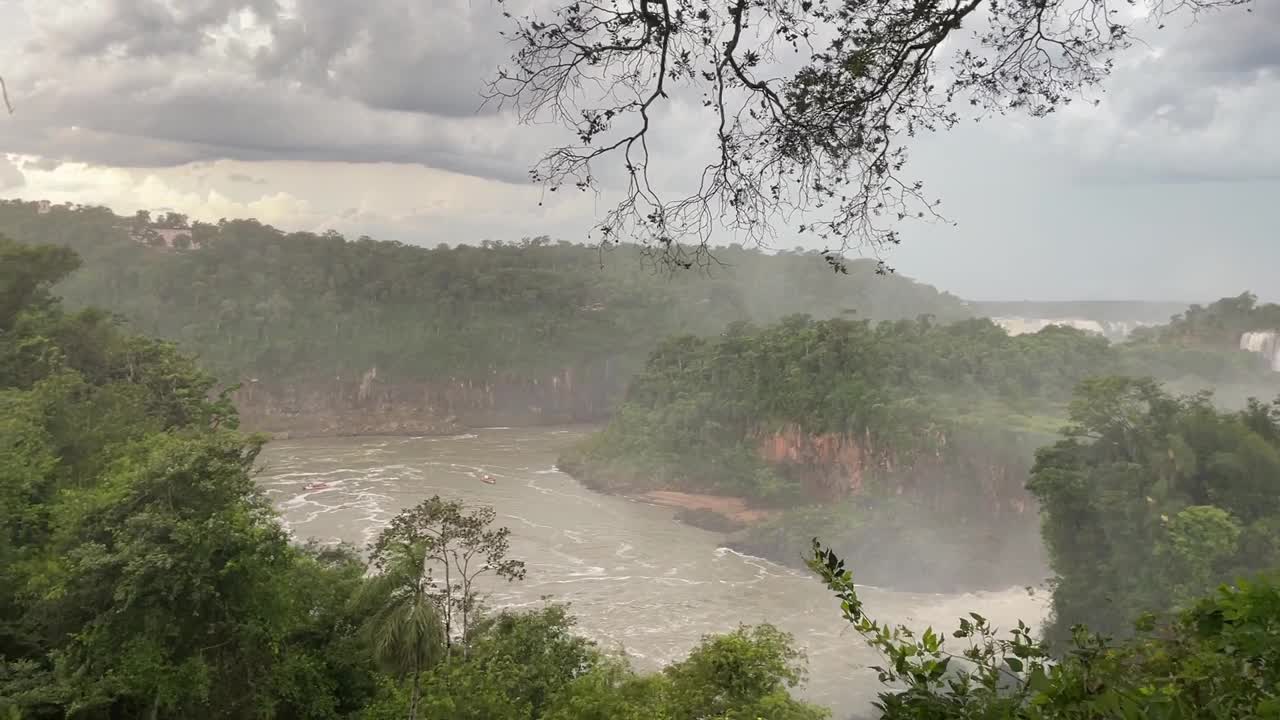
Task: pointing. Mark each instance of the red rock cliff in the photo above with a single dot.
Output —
(972, 474)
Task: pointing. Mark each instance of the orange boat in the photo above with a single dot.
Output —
(487, 479)
(315, 486)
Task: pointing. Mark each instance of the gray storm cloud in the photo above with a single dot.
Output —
(145, 83)
(140, 84)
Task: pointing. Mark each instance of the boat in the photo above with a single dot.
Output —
(487, 479)
(315, 486)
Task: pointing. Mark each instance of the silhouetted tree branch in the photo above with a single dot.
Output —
(4, 91)
(812, 101)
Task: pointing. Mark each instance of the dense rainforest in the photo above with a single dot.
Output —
(391, 337)
(143, 574)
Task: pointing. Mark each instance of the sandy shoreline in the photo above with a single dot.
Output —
(734, 508)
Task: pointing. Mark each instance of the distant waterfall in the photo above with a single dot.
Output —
(1114, 330)
(1265, 343)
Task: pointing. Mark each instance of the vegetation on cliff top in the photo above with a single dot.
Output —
(938, 421)
(1220, 324)
(695, 416)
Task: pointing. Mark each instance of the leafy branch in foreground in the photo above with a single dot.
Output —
(810, 102)
(1219, 659)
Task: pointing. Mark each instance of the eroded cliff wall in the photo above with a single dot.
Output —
(369, 404)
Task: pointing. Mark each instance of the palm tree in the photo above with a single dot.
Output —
(405, 630)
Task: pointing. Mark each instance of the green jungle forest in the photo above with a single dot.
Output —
(143, 574)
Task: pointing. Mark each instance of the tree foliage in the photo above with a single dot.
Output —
(143, 573)
(1151, 500)
(406, 630)
(450, 548)
(809, 103)
(529, 665)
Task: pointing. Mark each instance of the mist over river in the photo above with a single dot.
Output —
(635, 578)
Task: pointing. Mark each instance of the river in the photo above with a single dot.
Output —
(636, 579)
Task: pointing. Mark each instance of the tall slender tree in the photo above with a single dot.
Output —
(406, 631)
(456, 547)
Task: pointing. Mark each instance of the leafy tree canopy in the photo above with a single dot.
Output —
(1152, 500)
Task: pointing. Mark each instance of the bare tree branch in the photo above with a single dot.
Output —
(814, 138)
(4, 91)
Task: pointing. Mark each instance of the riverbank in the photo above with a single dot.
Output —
(893, 544)
(717, 513)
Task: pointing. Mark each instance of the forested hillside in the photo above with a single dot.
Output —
(1220, 324)
(911, 433)
(382, 332)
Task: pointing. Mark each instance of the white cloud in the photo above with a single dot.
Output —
(10, 175)
(403, 202)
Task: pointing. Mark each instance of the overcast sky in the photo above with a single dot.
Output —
(363, 117)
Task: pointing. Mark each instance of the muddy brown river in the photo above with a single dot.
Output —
(637, 580)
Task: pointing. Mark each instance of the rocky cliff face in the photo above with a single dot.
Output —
(969, 523)
(372, 405)
(984, 473)
(830, 465)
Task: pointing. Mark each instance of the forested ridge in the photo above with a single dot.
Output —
(383, 337)
(1149, 500)
(253, 301)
